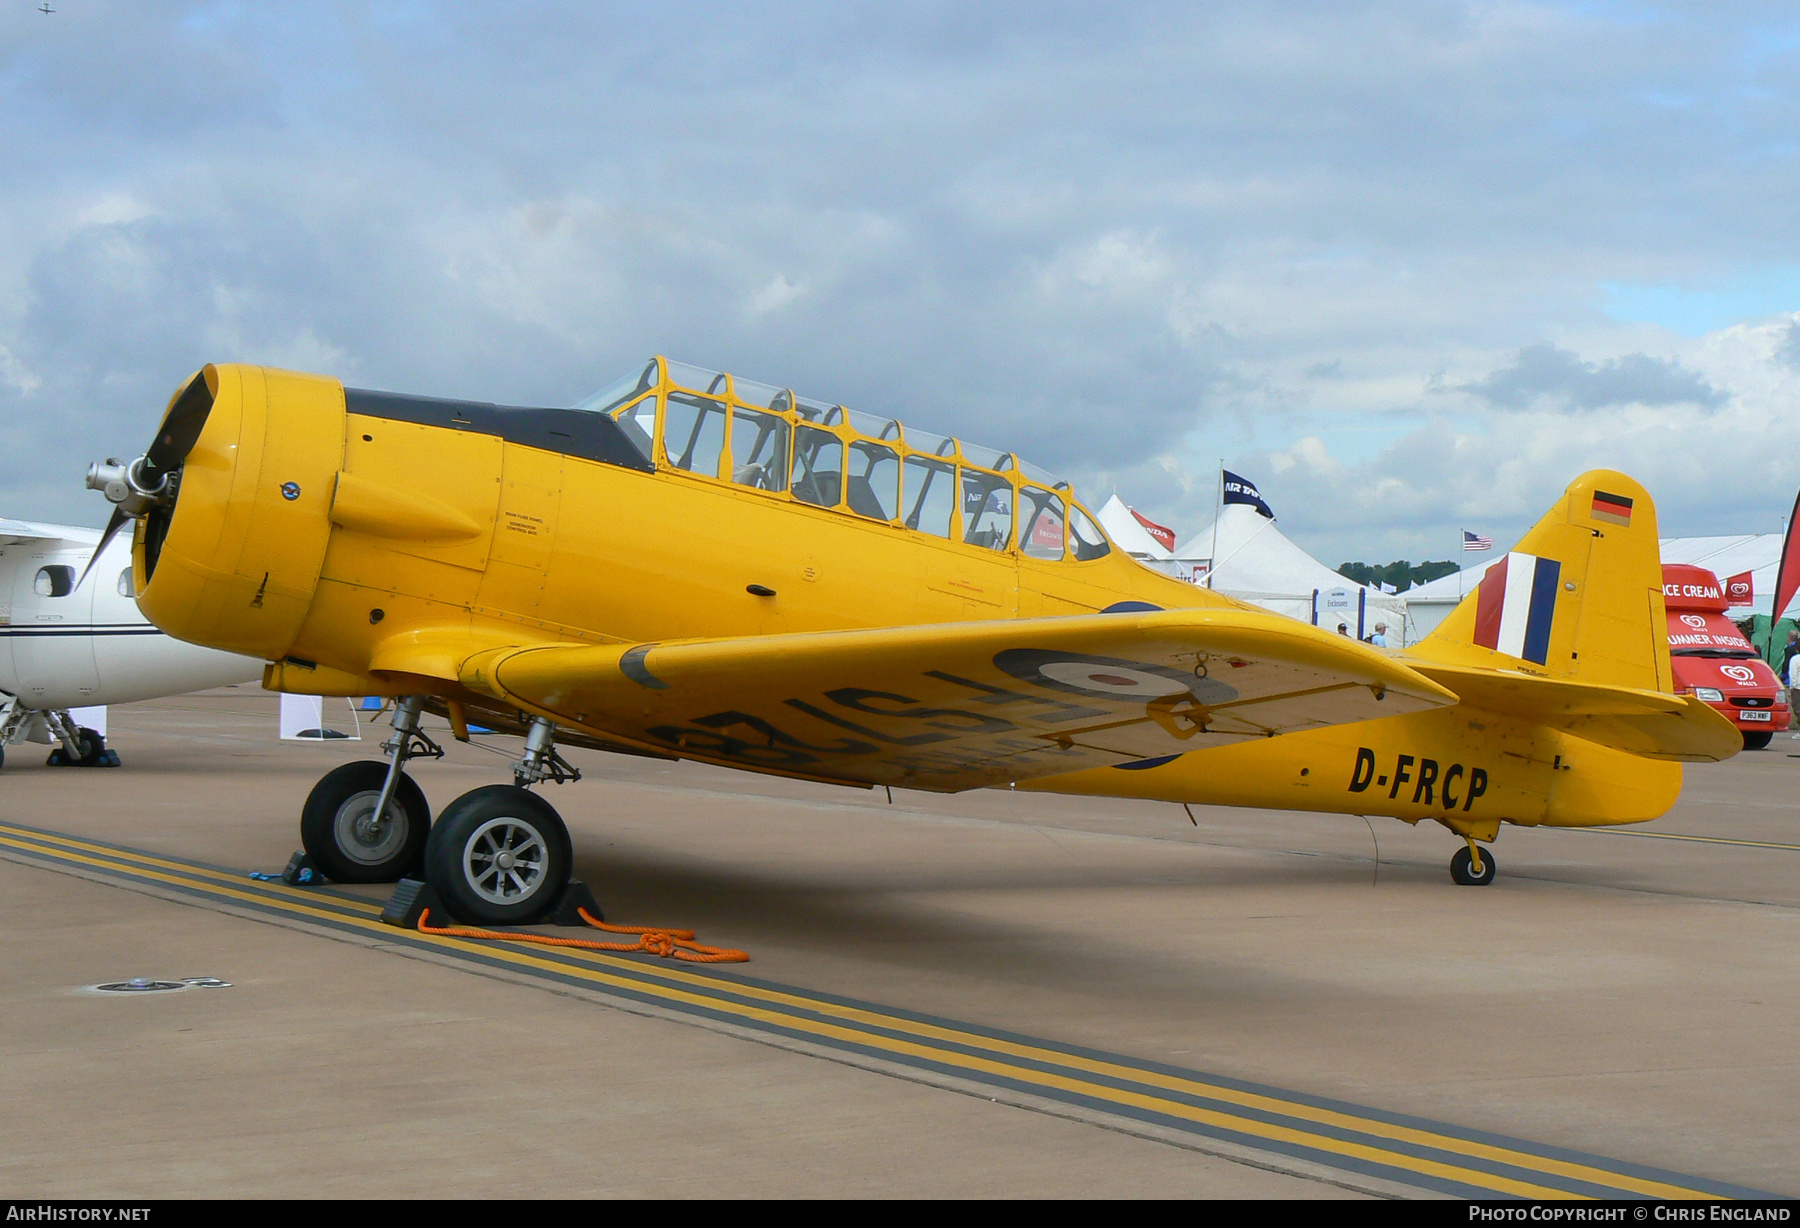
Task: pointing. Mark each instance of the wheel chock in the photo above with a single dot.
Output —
(412, 896)
(575, 898)
(60, 758)
(301, 872)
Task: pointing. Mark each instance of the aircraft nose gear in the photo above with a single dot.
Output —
(1472, 866)
(368, 822)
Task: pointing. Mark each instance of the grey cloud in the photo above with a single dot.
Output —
(516, 203)
(1545, 371)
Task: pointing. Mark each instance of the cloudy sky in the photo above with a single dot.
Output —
(1410, 267)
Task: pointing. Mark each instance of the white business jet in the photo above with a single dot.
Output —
(72, 641)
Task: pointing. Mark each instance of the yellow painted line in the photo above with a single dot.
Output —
(185, 875)
(1669, 835)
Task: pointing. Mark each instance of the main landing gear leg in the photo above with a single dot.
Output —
(500, 854)
(368, 822)
(81, 746)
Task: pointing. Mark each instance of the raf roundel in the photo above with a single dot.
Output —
(1080, 674)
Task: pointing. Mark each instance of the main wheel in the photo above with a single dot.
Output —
(341, 833)
(499, 855)
(92, 747)
(1463, 876)
(1756, 741)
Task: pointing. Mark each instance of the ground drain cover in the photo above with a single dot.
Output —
(146, 984)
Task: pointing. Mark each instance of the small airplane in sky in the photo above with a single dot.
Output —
(71, 642)
(692, 565)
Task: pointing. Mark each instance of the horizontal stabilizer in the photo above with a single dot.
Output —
(1653, 724)
(964, 705)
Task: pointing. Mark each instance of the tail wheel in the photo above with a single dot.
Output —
(499, 855)
(348, 841)
(1756, 741)
(1462, 871)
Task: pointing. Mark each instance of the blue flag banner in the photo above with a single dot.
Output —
(1237, 490)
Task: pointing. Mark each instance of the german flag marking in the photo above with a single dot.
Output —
(1613, 509)
(1114, 1089)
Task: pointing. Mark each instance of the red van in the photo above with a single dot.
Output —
(1713, 660)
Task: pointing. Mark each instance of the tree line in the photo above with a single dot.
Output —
(1401, 575)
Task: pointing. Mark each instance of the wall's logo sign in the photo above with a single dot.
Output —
(1738, 673)
(1695, 621)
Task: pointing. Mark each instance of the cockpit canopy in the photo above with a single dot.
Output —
(769, 439)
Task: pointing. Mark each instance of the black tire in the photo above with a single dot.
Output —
(93, 745)
(464, 859)
(1756, 741)
(336, 831)
(1461, 874)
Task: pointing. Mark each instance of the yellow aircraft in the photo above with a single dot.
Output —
(696, 566)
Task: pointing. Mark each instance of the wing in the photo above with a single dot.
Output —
(12, 531)
(963, 705)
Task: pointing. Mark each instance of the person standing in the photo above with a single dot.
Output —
(1379, 639)
(1790, 674)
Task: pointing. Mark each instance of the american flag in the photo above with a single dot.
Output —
(1475, 542)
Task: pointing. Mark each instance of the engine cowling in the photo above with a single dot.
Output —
(234, 559)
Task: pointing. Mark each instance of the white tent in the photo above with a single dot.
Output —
(1126, 533)
(1257, 563)
(1756, 553)
(1430, 604)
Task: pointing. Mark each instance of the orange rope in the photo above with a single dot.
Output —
(652, 940)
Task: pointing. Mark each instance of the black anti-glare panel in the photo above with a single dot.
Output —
(572, 432)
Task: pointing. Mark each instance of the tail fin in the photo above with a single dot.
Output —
(1578, 599)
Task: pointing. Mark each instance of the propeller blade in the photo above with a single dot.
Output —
(119, 519)
(181, 426)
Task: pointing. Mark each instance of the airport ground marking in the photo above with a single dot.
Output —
(1265, 1119)
(1669, 835)
(362, 915)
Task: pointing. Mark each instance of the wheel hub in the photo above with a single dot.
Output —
(367, 837)
(505, 860)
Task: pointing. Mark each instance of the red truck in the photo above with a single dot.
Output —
(1713, 660)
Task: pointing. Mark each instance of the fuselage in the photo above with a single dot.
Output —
(365, 542)
(64, 645)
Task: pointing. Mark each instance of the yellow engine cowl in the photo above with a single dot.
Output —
(237, 560)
